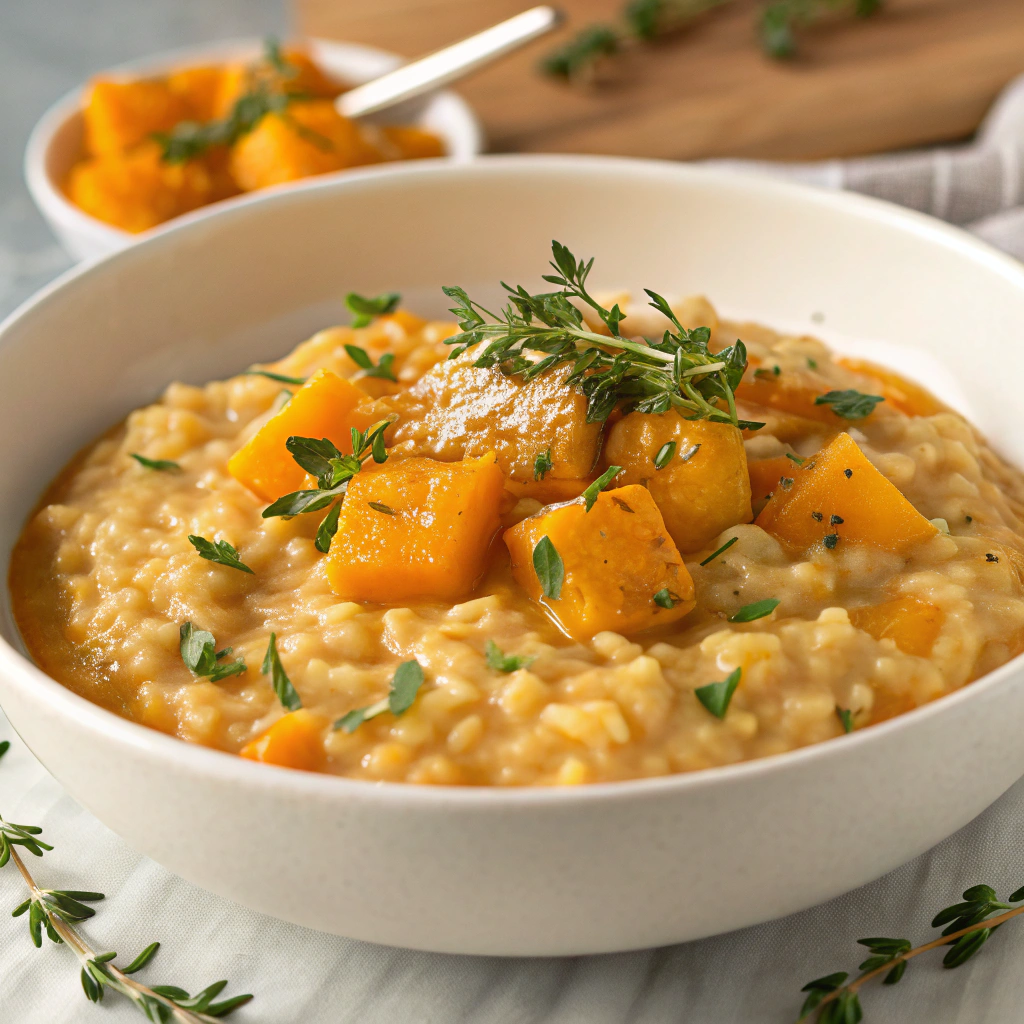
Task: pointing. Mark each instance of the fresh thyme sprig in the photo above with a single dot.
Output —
(542, 464)
(678, 371)
(57, 911)
(333, 471)
(645, 21)
(780, 20)
(265, 94)
(969, 924)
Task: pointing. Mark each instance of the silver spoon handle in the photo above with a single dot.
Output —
(444, 66)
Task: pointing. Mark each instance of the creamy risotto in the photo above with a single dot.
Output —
(489, 571)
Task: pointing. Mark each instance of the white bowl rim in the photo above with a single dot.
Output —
(181, 755)
(54, 205)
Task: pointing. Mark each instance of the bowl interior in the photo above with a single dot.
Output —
(245, 283)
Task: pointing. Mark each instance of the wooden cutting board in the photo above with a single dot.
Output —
(922, 71)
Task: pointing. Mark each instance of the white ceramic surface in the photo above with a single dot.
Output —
(56, 140)
(545, 871)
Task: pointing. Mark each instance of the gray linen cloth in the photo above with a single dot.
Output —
(304, 976)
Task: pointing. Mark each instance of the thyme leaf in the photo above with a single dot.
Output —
(199, 652)
(849, 404)
(542, 465)
(666, 598)
(327, 529)
(594, 489)
(677, 371)
(381, 369)
(665, 455)
(281, 378)
(405, 684)
(161, 465)
(279, 680)
(716, 696)
(501, 662)
(757, 610)
(219, 551)
(845, 716)
(365, 308)
(550, 570)
(725, 547)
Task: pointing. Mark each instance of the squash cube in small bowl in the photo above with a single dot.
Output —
(616, 566)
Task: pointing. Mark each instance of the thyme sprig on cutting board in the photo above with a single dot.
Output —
(834, 999)
(676, 371)
(57, 912)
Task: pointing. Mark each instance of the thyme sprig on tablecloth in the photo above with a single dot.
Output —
(834, 999)
(677, 371)
(779, 23)
(56, 912)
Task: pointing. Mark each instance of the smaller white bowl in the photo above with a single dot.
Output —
(56, 141)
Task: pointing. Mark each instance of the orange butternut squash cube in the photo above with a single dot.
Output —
(902, 394)
(457, 410)
(199, 88)
(293, 741)
(136, 191)
(702, 490)
(308, 138)
(426, 533)
(616, 559)
(766, 475)
(913, 625)
(839, 497)
(119, 115)
(325, 406)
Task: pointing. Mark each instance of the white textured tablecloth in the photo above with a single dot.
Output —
(303, 976)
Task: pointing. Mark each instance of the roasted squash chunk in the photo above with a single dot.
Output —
(199, 87)
(702, 489)
(458, 410)
(839, 497)
(913, 625)
(902, 394)
(308, 138)
(294, 741)
(136, 191)
(766, 475)
(119, 115)
(616, 559)
(325, 406)
(416, 528)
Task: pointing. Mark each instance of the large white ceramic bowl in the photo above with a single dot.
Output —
(56, 141)
(500, 871)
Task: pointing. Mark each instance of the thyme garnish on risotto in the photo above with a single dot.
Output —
(676, 372)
